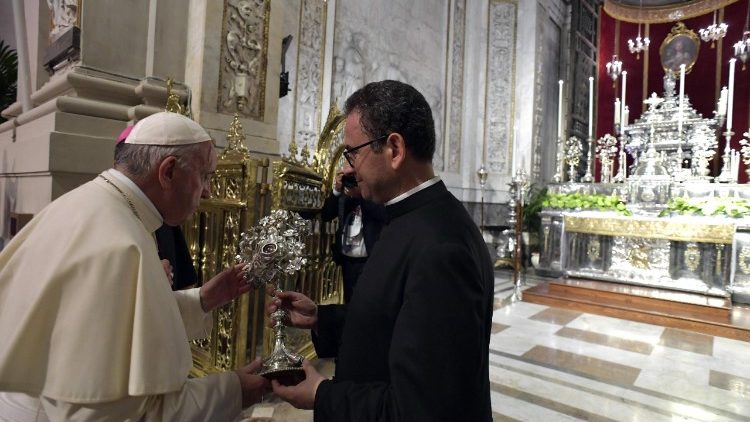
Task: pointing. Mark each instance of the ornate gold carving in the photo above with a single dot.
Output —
(638, 256)
(240, 197)
(594, 249)
(743, 260)
(660, 14)
(173, 100)
(235, 140)
(692, 257)
(652, 228)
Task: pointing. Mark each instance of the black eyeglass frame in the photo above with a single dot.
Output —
(349, 154)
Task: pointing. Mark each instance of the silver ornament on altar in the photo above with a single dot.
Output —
(573, 151)
(745, 151)
(606, 148)
(272, 250)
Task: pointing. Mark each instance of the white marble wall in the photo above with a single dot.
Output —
(486, 111)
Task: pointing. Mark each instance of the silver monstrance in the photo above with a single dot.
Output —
(274, 249)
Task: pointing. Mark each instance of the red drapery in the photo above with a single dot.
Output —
(700, 84)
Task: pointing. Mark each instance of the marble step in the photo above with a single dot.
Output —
(714, 317)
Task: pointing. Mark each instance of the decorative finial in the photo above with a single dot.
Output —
(236, 135)
(293, 151)
(173, 100)
(305, 155)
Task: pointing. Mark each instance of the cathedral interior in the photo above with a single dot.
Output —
(601, 146)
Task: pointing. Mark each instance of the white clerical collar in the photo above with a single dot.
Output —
(412, 191)
(132, 186)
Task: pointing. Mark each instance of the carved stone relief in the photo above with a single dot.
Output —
(63, 15)
(458, 28)
(407, 44)
(308, 87)
(536, 148)
(244, 47)
(500, 85)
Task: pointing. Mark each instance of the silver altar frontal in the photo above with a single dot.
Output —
(679, 253)
(700, 254)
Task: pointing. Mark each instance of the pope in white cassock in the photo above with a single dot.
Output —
(90, 328)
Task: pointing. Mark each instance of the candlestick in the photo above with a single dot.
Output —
(591, 105)
(730, 96)
(560, 110)
(681, 104)
(625, 117)
(617, 111)
(623, 123)
(515, 144)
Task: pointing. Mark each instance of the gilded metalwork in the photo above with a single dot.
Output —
(692, 257)
(174, 104)
(639, 256)
(240, 197)
(235, 140)
(680, 47)
(652, 228)
(301, 184)
(661, 14)
(594, 249)
(743, 260)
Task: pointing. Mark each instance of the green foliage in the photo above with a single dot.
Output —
(586, 202)
(729, 207)
(532, 222)
(8, 76)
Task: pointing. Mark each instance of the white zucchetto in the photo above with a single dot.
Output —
(168, 129)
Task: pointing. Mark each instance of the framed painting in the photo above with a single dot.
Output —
(680, 47)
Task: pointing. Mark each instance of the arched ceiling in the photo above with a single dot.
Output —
(654, 3)
(658, 11)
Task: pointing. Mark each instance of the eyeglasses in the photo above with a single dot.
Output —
(351, 154)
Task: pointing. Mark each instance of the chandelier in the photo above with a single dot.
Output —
(614, 68)
(639, 44)
(713, 32)
(742, 47)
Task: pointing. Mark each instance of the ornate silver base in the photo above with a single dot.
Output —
(282, 364)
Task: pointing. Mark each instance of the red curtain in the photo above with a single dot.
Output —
(700, 83)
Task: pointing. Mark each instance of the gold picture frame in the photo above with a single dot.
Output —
(680, 47)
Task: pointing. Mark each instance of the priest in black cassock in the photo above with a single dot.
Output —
(413, 344)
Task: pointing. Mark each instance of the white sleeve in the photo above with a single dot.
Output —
(216, 397)
(197, 323)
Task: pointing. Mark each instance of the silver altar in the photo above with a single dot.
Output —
(707, 255)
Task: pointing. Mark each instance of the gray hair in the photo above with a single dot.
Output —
(138, 160)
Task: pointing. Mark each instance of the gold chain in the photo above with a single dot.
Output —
(132, 206)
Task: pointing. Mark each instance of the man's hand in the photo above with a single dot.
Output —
(253, 386)
(224, 287)
(301, 311)
(302, 395)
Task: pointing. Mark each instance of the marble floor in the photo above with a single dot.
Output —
(551, 364)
